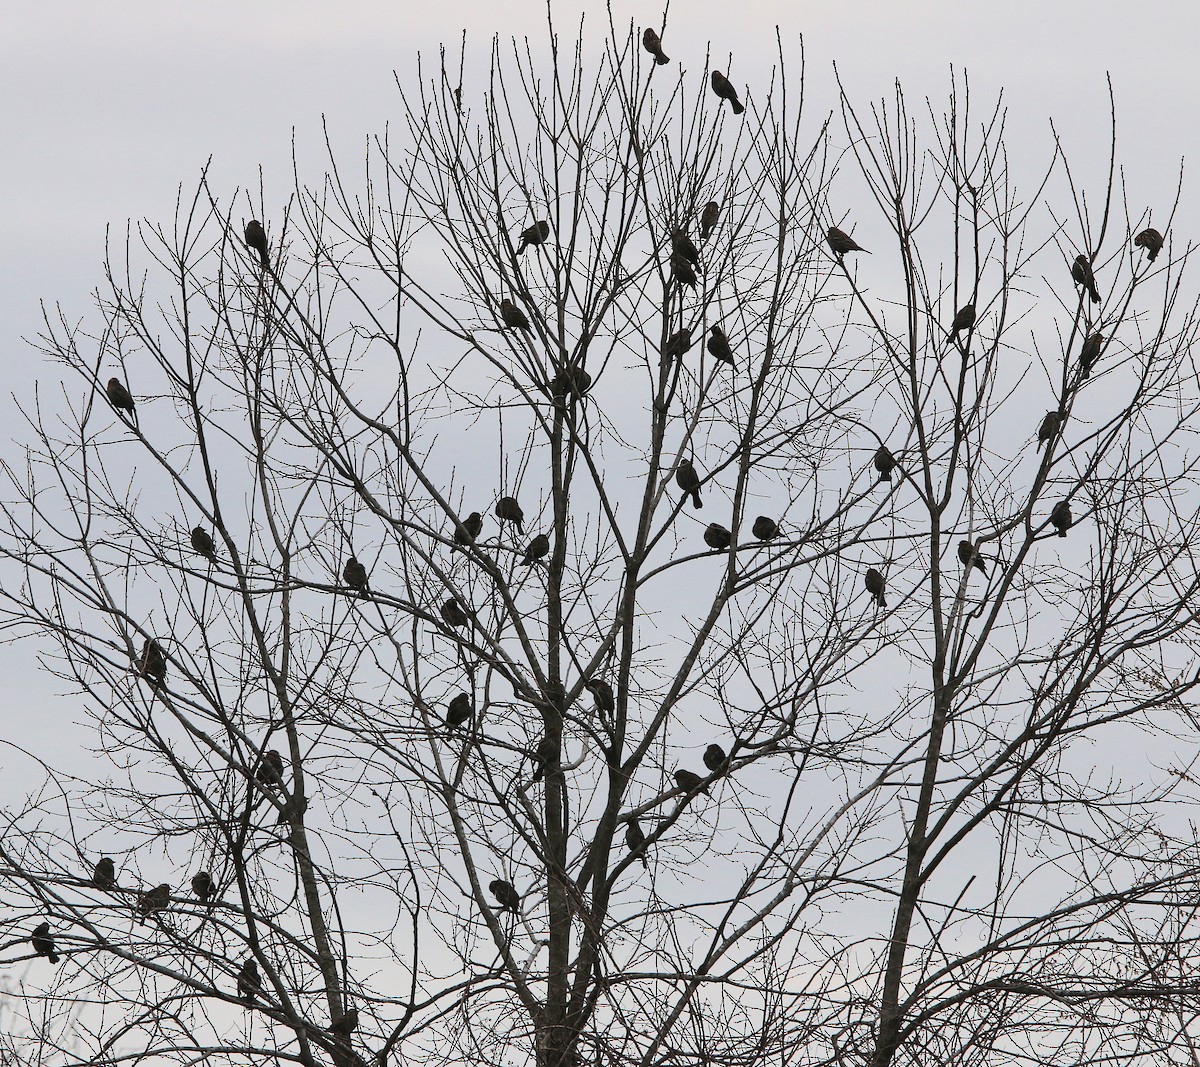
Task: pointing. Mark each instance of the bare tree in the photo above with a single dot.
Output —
(602, 585)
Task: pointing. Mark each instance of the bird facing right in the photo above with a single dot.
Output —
(724, 89)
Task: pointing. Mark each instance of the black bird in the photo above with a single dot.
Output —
(202, 885)
(885, 463)
(270, 769)
(293, 807)
(256, 238)
(543, 757)
(1090, 353)
(506, 895)
(1049, 427)
(688, 781)
(470, 529)
(356, 576)
(682, 245)
(346, 1025)
(538, 548)
(1081, 272)
(708, 218)
(653, 44)
(724, 89)
(512, 316)
(249, 983)
(1151, 240)
(570, 382)
(964, 319)
(681, 270)
(202, 542)
(677, 344)
(1061, 517)
(602, 692)
(717, 537)
(841, 242)
(118, 395)
(718, 345)
(636, 840)
(689, 481)
(459, 710)
(153, 900)
(765, 529)
(453, 615)
(533, 235)
(715, 759)
(43, 943)
(153, 664)
(104, 874)
(508, 510)
(968, 556)
(875, 586)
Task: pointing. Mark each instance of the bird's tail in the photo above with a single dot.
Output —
(885, 476)
(737, 108)
(661, 58)
(696, 499)
(1094, 293)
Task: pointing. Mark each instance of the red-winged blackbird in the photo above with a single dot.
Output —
(508, 510)
(688, 781)
(681, 270)
(875, 586)
(470, 529)
(1061, 517)
(968, 556)
(533, 235)
(885, 463)
(43, 943)
(677, 344)
(270, 769)
(964, 319)
(1151, 240)
(459, 710)
(104, 874)
(544, 756)
(256, 238)
(570, 382)
(717, 537)
(1081, 272)
(202, 542)
(602, 693)
(539, 548)
(506, 895)
(202, 885)
(249, 984)
(708, 218)
(682, 245)
(765, 529)
(118, 395)
(636, 840)
(1090, 353)
(453, 615)
(153, 900)
(346, 1025)
(689, 481)
(841, 242)
(718, 346)
(653, 44)
(724, 89)
(153, 663)
(715, 759)
(1049, 427)
(356, 576)
(513, 317)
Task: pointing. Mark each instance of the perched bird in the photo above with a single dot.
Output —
(118, 395)
(539, 548)
(964, 319)
(875, 586)
(636, 840)
(717, 537)
(293, 807)
(1151, 240)
(270, 769)
(1081, 272)
(153, 900)
(688, 781)
(506, 895)
(841, 242)
(1089, 353)
(544, 757)
(570, 382)
(470, 528)
(256, 238)
(653, 44)
(603, 695)
(681, 270)
(508, 510)
(724, 89)
(677, 344)
(765, 529)
(202, 885)
(104, 874)
(459, 710)
(708, 218)
(718, 345)
(453, 615)
(885, 463)
(512, 316)
(715, 759)
(1049, 427)
(202, 542)
(43, 943)
(356, 575)
(968, 556)
(346, 1025)
(1061, 517)
(249, 983)
(682, 245)
(689, 481)
(153, 663)
(533, 235)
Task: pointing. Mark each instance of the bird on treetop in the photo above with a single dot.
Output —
(533, 235)
(356, 575)
(506, 895)
(1049, 427)
(543, 757)
(875, 586)
(652, 44)
(346, 1025)
(538, 548)
(765, 529)
(512, 316)
(104, 875)
(1061, 517)
(43, 943)
(688, 781)
(256, 238)
(153, 663)
(249, 984)
(689, 481)
(153, 900)
(715, 759)
(602, 693)
(453, 615)
(459, 710)
(682, 245)
(470, 529)
(508, 510)
(118, 395)
(842, 242)
(964, 319)
(202, 542)
(718, 345)
(202, 885)
(677, 344)
(708, 218)
(1082, 274)
(717, 537)
(636, 840)
(681, 270)
(1151, 240)
(885, 463)
(968, 556)
(1089, 353)
(724, 89)
(270, 769)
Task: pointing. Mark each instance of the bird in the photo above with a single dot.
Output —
(459, 710)
(249, 984)
(681, 270)
(153, 663)
(885, 463)
(1081, 272)
(453, 615)
(636, 840)
(202, 885)
(1049, 427)
(875, 586)
(293, 807)
(968, 556)
(506, 895)
(104, 874)
(765, 529)
(43, 943)
(1061, 518)
(715, 759)
(544, 756)
(688, 781)
(1151, 240)
(718, 345)
(964, 319)
(356, 575)
(570, 382)
(602, 694)
(682, 245)
(724, 89)
(256, 238)
(270, 769)
(346, 1025)
(512, 316)
(689, 481)
(508, 510)
(841, 242)
(717, 537)
(708, 218)
(153, 900)
(652, 44)
(677, 344)
(118, 395)
(202, 542)
(533, 235)
(469, 529)
(537, 549)
(1089, 353)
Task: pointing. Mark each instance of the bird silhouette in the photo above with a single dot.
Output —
(652, 44)
(1061, 517)
(709, 217)
(1151, 240)
(968, 556)
(533, 235)
(570, 381)
(256, 238)
(512, 316)
(636, 840)
(1049, 427)
(249, 983)
(154, 900)
(508, 510)
(346, 1025)
(875, 586)
(1081, 272)
(469, 529)
(453, 615)
(677, 344)
(153, 663)
(765, 529)
(718, 345)
(682, 245)
(544, 757)
(681, 270)
(202, 543)
(689, 481)
(270, 769)
(603, 695)
(715, 759)
(1089, 353)
(459, 710)
(43, 943)
(688, 781)
(118, 395)
(356, 576)
(842, 242)
(717, 537)
(964, 319)
(202, 885)
(506, 895)
(724, 89)
(538, 548)
(885, 463)
(104, 874)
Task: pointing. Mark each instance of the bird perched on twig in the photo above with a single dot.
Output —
(682, 245)
(1082, 274)
(875, 584)
(1089, 353)
(1151, 240)
(538, 548)
(545, 757)
(1061, 517)
(653, 44)
(153, 663)
(202, 885)
(202, 543)
(533, 235)
(1049, 427)
(841, 242)
(715, 759)
(154, 900)
(681, 270)
(765, 529)
(469, 529)
(717, 537)
(677, 344)
(506, 895)
(453, 615)
(964, 319)
(356, 576)
(249, 983)
(709, 217)
(104, 874)
(570, 381)
(508, 510)
(459, 710)
(968, 556)
(602, 694)
(512, 316)
(346, 1025)
(885, 463)
(718, 345)
(256, 238)
(270, 769)
(689, 481)
(119, 396)
(689, 781)
(636, 840)
(724, 89)
(43, 942)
